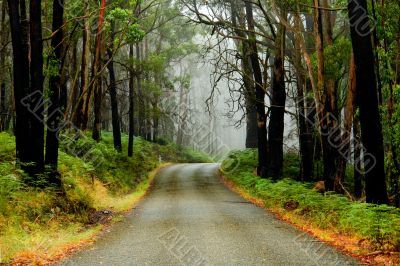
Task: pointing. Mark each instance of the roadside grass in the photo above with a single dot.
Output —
(373, 227)
(42, 225)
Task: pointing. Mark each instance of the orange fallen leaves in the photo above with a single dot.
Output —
(351, 246)
(44, 258)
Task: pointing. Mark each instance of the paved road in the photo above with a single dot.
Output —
(191, 218)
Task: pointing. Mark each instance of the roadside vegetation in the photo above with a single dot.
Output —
(356, 227)
(38, 225)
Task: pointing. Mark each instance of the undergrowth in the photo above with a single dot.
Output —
(35, 224)
(379, 225)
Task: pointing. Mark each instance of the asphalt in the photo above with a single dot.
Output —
(191, 218)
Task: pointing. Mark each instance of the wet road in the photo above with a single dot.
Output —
(191, 218)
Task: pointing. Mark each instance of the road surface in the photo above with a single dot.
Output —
(191, 218)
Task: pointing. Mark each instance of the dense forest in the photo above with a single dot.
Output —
(333, 67)
(323, 74)
(68, 67)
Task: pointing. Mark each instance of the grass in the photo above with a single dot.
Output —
(329, 215)
(42, 225)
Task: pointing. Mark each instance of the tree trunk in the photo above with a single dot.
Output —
(251, 112)
(278, 100)
(305, 137)
(73, 97)
(97, 103)
(114, 104)
(55, 114)
(260, 95)
(327, 118)
(81, 113)
(97, 81)
(36, 72)
(19, 31)
(367, 99)
(357, 159)
(131, 102)
(182, 112)
(141, 106)
(28, 79)
(239, 23)
(308, 138)
(3, 42)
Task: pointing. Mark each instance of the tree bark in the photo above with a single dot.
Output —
(131, 102)
(57, 88)
(3, 92)
(308, 139)
(73, 97)
(36, 145)
(367, 99)
(141, 106)
(19, 36)
(357, 159)
(114, 103)
(305, 135)
(97, 81)
(260, 95)
(239, 24)
(81, 112)
(278, 100)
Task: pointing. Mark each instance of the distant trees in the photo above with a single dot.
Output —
(304, 44)
(61, 78)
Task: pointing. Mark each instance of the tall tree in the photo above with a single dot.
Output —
(36, 85)
(131, 101)
(239, 24)
(259, 92)
(28, 81)
(81, 113)
(97, 81)
(19, 36)
(57, 89)
(4, 37)
(278, 100)
(114, 102)
(367, 99)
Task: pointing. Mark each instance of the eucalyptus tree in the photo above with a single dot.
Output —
(5, 93)
(57, 88)
(367, 99)
(28, 79)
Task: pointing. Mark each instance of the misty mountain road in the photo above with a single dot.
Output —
(191, 218)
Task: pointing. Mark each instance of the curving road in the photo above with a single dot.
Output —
(191, 218)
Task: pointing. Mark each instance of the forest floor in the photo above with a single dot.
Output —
(38, 226)
(190, 218)
(367, 232)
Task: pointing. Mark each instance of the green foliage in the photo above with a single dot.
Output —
(134, 33)
(379, 224)
(94, 176)
(80, 162)
(337, 56)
